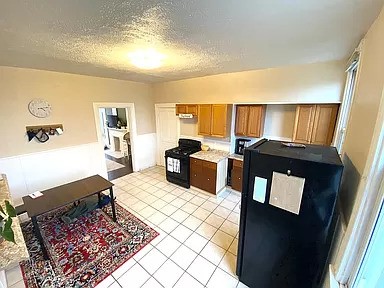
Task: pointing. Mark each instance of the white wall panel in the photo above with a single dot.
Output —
(145, 151)
(38, 171)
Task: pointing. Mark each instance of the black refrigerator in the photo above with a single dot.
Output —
(287, 217)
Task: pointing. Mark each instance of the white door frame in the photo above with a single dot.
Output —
(157, 107)
(131, 116)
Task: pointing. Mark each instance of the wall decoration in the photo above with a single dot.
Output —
(40, 108)
(42, 132)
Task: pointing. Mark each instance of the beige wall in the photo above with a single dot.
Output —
(188, 127)
(72, 98)
(279, 121)
(313, 83)
(363, 117)
(367, 97)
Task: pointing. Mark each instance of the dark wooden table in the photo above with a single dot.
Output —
(63, 195)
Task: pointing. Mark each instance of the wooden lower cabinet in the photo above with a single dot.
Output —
(196, 174)
(208, 176)
(237, 175)
(203, 175)
(237, 179)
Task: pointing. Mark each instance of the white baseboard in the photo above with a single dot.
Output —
(42, 170)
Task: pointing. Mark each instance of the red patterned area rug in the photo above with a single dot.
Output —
(83, 253)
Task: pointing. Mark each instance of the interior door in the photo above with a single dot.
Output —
(167, 131)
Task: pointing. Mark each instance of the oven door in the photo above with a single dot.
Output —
(177, 176)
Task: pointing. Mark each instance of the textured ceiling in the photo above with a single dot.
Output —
(198, 38)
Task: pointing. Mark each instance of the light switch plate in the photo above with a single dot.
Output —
(286, 192)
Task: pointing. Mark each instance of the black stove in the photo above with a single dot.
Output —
(177, 161)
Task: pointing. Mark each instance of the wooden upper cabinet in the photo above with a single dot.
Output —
(242, 112)
(256, 121)
(204, 121)
(250, 120)
(324, 124)
(219, 120)
(181, 109)
(214, 120)
(186, 109)
(192, 109)
(315, 124)
(305, 115)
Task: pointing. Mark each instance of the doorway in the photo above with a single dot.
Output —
(116, 132)
(167, 130)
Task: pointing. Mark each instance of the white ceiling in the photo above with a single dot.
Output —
(199, 38)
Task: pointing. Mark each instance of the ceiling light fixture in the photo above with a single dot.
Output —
(146, 58)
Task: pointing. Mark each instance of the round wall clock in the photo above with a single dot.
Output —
(40, 108)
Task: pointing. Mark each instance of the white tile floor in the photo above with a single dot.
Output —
(197, 245)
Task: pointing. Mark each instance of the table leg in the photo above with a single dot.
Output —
(99, 197)
(112, 204)
(39, 237)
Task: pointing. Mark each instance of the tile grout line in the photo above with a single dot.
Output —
(181, 223)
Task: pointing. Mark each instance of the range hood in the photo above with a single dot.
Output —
(185, 116)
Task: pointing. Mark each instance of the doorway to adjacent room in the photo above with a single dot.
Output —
(115, 134)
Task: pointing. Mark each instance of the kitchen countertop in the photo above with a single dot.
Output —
(236, 157)
(211, 156)
(11, 254)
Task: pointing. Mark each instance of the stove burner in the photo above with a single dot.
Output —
(182, 151)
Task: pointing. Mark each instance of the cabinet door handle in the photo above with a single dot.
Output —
(195, 175)
(208, 179)
(239, 178)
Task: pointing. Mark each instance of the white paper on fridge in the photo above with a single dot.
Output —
(286, 192)
(259, 189)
